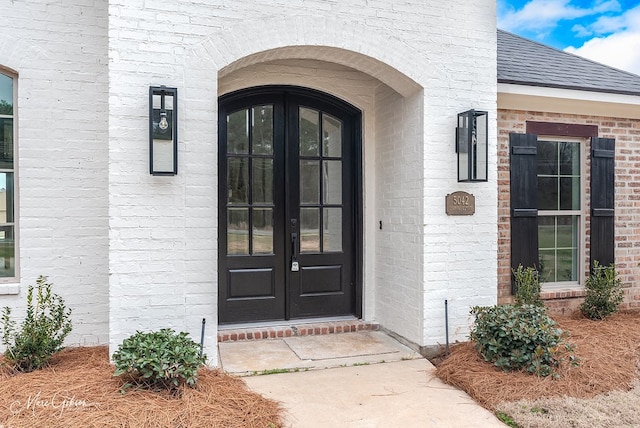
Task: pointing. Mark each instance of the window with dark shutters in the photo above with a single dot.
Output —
(524, 200)
(602, 200)
(524, 179)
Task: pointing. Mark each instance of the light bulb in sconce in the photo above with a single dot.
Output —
(164, 124)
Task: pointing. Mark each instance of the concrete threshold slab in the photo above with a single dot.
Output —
(311, 353)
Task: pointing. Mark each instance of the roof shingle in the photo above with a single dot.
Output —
(525, 62)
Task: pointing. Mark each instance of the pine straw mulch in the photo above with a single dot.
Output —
(78, 389)
(609, 353)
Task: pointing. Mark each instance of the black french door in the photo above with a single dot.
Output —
(289, 203)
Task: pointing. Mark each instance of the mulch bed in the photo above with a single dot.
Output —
(609, 353)
(78, 389)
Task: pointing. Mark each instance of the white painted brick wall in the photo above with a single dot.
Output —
(188, 43)
(162, 231)
(59, 50)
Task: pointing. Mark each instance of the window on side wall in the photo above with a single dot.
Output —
(549, 212)
(560, 216)
(7, 177)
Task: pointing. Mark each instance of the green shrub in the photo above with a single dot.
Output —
(518, 337)
(46, 325)
(163, 359)
(604, 292)
(527, 286)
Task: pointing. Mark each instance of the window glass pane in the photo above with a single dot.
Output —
(331, 136)
(7, 252)
(570, 193)
(547, 158)
(309, 230)
(546, 232)
(6, 95)
(6, 197)
(547, 193)
(547, 265)
(6, 143)
(332, 229)
(309, 132)
(262, 231)
(569, 158)
(262, 189)
(238, 132)
(309, 181)
(567, 231)
(238, 180)
(558, 247)
(238, 231)
(332, 182)
(262, 131)
(566, 263)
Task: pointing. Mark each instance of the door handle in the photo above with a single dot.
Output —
(295, 267)
(294, 246)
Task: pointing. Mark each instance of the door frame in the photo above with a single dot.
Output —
(357, 175)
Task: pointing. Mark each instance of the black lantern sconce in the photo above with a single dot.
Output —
(472, 146)
(163, 130)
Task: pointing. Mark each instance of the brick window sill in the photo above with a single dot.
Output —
(563, 294)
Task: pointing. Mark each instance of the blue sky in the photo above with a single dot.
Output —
(607, 31)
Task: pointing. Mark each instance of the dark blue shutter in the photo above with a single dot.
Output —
(523, 149)
(602, 200)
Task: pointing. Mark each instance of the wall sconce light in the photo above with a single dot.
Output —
(472, 146)
(163, 130)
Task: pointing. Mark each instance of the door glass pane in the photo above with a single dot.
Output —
(238, 231)
(238, 132)
(238, 180)
(332, 182)
(309, 230)
(262, 128)
(332, 229)
(309, 132)
(309, 181)
(262, 180)
(262, 231)
(6, 142)
(331, 136)
(547, 193)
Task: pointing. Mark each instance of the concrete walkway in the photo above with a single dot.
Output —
(360, 380)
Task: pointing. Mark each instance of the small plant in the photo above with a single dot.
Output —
(527, 286)
(604, 292)
(516, 337)
(46, 325)
(163, 359)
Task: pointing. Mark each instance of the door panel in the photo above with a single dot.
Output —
(287, 205)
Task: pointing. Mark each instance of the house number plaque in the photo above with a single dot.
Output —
(460, 203)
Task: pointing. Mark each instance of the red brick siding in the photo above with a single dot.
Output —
(627, 203)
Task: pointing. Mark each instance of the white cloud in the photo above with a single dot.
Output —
(620, 49)
(546, 14)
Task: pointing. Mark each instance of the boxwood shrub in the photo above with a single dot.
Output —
(163, 359)
(519, 337)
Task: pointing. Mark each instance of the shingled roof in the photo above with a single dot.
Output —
(525, 62)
